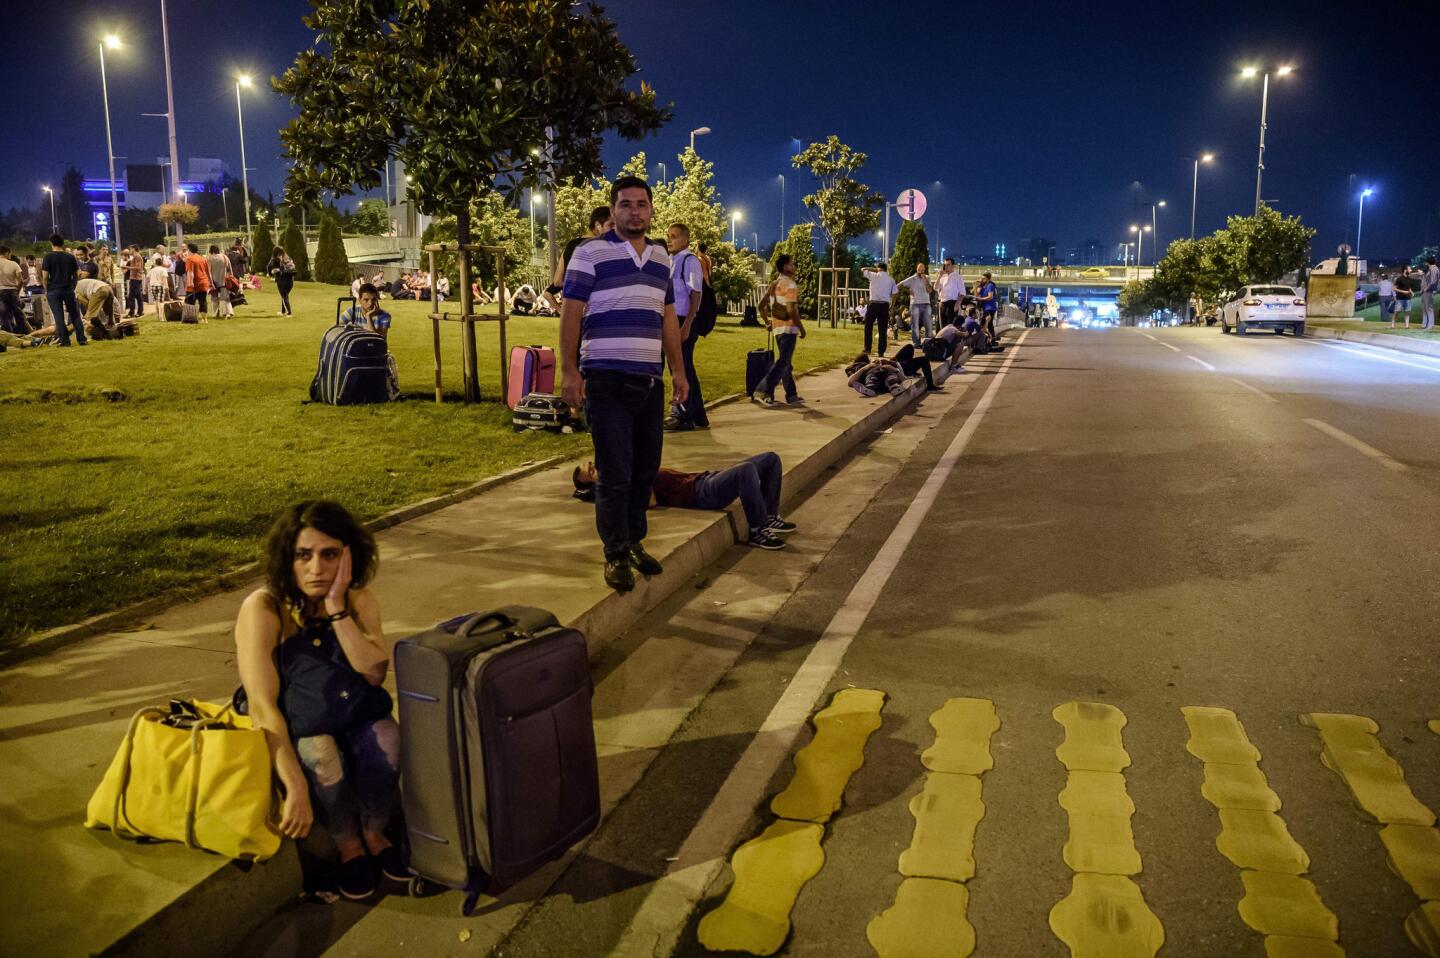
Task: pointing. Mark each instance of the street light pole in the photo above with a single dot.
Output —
(734, 219)
(698, 131)
(111, 41)
(1155, 228)
(782, 207)
(54, 223)
(244, 80)
(1360, 223)
(1249, 73)
(1195, 188)
(170, 120)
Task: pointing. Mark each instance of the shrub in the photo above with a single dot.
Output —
(262, 247)
(331, 263)
(294, 242)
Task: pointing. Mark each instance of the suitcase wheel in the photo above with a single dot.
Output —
(416, 887)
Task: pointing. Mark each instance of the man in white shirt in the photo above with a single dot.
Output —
(687, 280)
(951, 286)
(877, 310)
(920, 289)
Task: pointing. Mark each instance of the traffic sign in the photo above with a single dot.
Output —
(910, 204)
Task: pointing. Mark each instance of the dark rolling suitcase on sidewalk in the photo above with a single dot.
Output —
(497, 755)
(757, 365)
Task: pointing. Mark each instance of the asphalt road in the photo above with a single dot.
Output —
(1150, 519)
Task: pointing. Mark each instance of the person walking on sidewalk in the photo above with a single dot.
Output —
(781, 306)
(60, 272)
(1429, 286)
(756, 482)
(877, 309)
(619, 319)
(920, 289)
(951, 286)
(687, 276)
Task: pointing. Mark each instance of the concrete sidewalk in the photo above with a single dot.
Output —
(61, 716)
(1382, 340)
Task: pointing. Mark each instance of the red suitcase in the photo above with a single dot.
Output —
(532, 370)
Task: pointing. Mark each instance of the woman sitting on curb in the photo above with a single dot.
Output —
(312, 660)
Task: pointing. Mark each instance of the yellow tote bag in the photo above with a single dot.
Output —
(208, 785)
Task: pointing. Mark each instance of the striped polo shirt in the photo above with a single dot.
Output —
(625, 294)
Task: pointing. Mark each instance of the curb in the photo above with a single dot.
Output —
(61, 636)
(1399, 344)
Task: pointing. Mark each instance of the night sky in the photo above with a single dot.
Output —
(1035, 123)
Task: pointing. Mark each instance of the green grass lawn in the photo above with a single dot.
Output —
(1368, 320)
(110, 502)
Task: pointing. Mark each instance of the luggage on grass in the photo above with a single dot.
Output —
(189, 313)
(544, 411)
(353, 369)
(497, 747)
(532, 370)
(173, 310)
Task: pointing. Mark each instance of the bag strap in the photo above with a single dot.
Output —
(127, 748)
(193, 792)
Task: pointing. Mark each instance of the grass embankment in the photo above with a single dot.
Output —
(110, 502)
(1368, 320)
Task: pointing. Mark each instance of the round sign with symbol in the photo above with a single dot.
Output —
(910, 204)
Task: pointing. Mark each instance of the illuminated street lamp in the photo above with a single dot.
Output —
(1360, 223)
(1250, 73)
(735, 218)
(1195, 188)
(698, 131)
(54, 223)
(1139, 232)
(1155, 228)
(245, 81)
(782, 207)
(113, 42)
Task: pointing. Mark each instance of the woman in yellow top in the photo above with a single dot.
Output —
(781, 307)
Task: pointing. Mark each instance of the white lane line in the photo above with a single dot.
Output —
(1149, 337)
(1202, 362)
(1365, 353)
(1358, 445)
(1168, 346)
(661, 917)
(1259, 392)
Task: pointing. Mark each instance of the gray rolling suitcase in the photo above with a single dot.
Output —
(497, 758)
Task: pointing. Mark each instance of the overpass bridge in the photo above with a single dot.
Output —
(1098, 278)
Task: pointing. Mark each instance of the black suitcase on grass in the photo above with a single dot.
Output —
(353, 366)
(497, 747)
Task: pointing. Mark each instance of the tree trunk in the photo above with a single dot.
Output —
(467, 306)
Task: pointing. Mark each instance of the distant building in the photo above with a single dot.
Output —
(1039, 251)
(1090, 252)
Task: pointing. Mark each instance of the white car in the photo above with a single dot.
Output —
(1264, 306)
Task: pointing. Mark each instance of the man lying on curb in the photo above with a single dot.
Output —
(755, 482)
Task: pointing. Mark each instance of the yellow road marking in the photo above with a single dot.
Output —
(770, 870)
(1278, 903)
(927, 921)
(928, 917)
(769, 873)
(823, 767)
(1105, 915)
(1350, 748)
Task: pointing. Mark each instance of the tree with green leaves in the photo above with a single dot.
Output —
(472, 98)
(262, 247)
(911, 246)
(294, 242)
(846, 208)
(493, 223)
(573, 202)
(800, 244)
(1261, 248)
(371, 218)
(332, 265)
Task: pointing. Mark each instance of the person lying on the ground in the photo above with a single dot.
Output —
(313, 658)
(912, 361)
(871, 377)
(755, 482)
(9, 340)
(97, 301)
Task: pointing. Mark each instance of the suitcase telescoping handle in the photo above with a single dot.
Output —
(339, 307)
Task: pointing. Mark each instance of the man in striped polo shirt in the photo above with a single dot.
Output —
(619, 321)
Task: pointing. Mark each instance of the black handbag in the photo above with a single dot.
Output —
(320, 692)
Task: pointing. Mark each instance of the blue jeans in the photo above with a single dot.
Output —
(695, 404)
(626, 414)
(1387, 307)
(354, 777)
(61, 301)
(783, 370)
(920, 315)
(755, 482)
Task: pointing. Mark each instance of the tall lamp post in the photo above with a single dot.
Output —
(1250, 73)
(698, 131)
(113, 42)
(54, 223)
(1195, 188)
(1359, 224)
(1139, 232)
(1155, 228)
(245, 81)
(782, 207)
(734, 219)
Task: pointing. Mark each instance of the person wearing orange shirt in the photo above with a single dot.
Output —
(198, 282)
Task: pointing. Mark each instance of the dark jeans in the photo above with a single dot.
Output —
(755, 482)
(695, 404)
(134, 297)
(782, 371)
(910, 363)
(197, 297)
(354, 777)
(283, 285)
(62, 302)
(989, 324)
(626, 415)
(14, 320)
(947, 313)
(877, 314)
